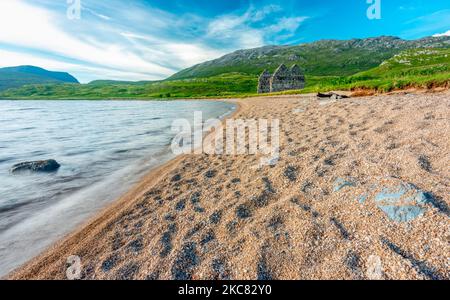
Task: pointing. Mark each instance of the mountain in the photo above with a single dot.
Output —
(322, 58)
(14, 77)
(378, 64)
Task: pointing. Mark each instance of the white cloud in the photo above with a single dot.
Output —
(259, 15)
(101, 16)
(89, 73)
(442, 34)
(288, 24)
(182, 54)
(32, 28)
(37, 31)
(128, 42)
(246, 31)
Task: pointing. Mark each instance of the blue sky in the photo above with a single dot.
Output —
(150, 40)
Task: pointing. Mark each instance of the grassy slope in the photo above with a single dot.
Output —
(321, 58)
(226, 85)
(14, 77)
(314, 61)
(418, 67)
(422, 68)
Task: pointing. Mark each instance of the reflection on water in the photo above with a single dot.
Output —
(103, 147)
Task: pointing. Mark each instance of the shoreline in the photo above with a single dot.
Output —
(323, 125)
(356, 92)
(148, 180)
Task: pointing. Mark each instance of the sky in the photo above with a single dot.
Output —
(136, 40)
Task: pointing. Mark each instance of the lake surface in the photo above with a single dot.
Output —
(104, 147)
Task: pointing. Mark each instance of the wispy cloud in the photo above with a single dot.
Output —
(152, 39)
(128, 41)
(442, 34)
(35, 30)
(255, 27)
(437, 21)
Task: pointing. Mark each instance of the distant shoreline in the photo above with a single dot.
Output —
(358, 92)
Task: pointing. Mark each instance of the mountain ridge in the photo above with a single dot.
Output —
(320, 58)
(18, 76)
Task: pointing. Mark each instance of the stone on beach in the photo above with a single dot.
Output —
(333, 96)
(402, 203)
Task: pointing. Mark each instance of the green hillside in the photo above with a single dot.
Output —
(423, 67)
(13, 77)
(226, 85)
(322, 58)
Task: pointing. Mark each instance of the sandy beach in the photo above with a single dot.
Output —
(316, 214)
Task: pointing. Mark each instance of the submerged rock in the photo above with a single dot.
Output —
(43, 166)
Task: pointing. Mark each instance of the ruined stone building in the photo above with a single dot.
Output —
(283, 79)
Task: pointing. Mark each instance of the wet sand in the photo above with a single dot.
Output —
(317, 214)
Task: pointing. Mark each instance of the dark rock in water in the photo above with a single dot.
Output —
(44, 166)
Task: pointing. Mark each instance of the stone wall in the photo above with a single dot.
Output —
(264, 82)
(297, 78)
(283, 79)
